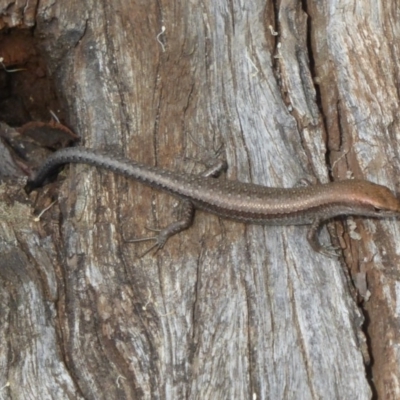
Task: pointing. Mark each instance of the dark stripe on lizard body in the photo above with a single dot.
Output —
(245, 202)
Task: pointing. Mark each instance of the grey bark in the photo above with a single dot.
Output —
(291, 90)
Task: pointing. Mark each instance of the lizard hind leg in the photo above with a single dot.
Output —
(186, 219)
(170, 230)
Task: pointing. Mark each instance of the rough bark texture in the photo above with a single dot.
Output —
(290, 90)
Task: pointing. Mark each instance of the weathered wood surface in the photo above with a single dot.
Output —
(224, 310)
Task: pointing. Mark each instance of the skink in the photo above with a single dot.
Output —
(244, 202)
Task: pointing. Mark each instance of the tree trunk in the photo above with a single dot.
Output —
(284, 91)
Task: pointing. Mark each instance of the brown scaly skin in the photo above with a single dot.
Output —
(245, 202)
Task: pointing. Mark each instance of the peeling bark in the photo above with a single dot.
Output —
(290, 90)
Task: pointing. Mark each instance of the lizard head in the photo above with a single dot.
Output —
(376, 197)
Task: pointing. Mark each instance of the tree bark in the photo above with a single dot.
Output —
(284, 90)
